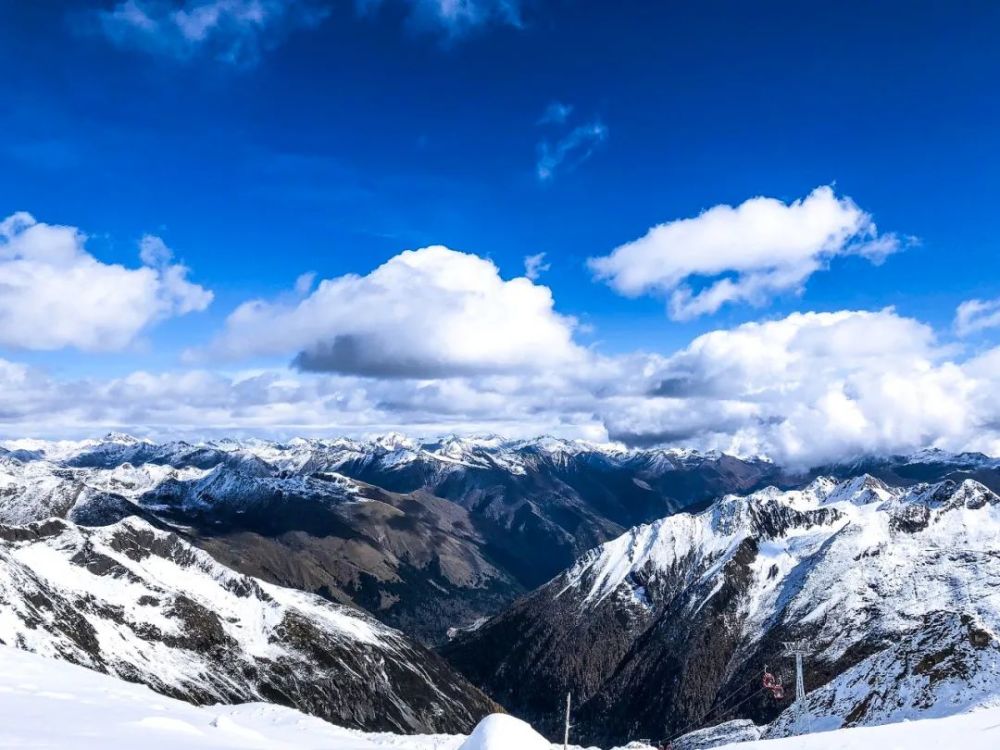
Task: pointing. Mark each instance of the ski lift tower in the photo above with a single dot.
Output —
(798, 649)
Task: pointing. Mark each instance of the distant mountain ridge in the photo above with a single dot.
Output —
(427, 535)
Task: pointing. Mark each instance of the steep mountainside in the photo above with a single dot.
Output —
(425, 536)
(428, 536)
(141, 604)
(669, 627)
(416, 561)
(949, 664)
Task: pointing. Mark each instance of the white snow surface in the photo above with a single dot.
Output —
(500, 732)
(49, 705)
(977, 730)
(54, 705)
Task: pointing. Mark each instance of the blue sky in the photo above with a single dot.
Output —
(292, 137)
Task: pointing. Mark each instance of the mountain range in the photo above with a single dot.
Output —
(670, 627)
(653, 584)
(427, 536)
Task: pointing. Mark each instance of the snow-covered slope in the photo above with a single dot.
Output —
(50, 705)
(949, 665)
(978, 730)
(670, 625)
(53, 705)
(140, 603)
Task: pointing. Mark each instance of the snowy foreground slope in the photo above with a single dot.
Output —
(46, 704)
(49, 705)
(52, 705)
(978, 730)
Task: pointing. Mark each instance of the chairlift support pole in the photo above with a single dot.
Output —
(566, 733)
(798, 649)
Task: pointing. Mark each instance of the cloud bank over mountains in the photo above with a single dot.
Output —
(437, 340)
(806, 389)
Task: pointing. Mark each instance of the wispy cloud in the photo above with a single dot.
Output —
(555, 114)
(232, 31)
(535, 266)
(454, 18)
(976, 315)
(569, 151)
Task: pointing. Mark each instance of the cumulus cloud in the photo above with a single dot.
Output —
(569, 151)
(808, 389)
(816, 387)
(54, 294)
(232, 31)
(535, 266)
(747, 253)
(976, 315)
(455, 17)
(436, 340)
(425, 313)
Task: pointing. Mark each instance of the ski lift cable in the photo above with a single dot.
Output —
(720, 704)
(691, 727)
(700, 722)
(734, 693)
(732, 708)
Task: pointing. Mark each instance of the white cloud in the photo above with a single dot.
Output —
(555, 114)
(153, 251)
(816, 387)
(54, 294)
(535, 266)
(807, 389)
(976, 315)
(455, 17)
(425, 313)
(198, 403)
(436, 340)
(748, 253)
(569, 151)
(233, 31)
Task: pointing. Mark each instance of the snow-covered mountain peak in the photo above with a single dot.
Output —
(123, 438)
(937, 455)
(394, 441)
(662, 623)
(785, 526)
